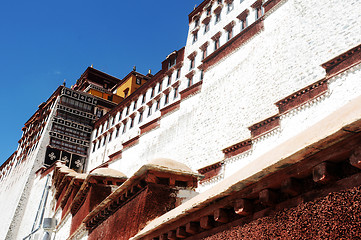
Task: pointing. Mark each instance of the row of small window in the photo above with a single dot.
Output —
(244, 23)
(126, 111)
(140, 119)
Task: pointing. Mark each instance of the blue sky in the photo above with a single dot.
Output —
(44, 42)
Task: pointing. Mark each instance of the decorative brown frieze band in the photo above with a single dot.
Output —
(270, 4)
(257, 4)
(233, 43)
(190, 74)
(210, 171)
(207, 19)
(237, 148)
(264, 126)
(131, 142)
(304, 95)
(343, 62)
(192, 90)
(243, 15)
(170, 108)
(149, 126)
(116, 155)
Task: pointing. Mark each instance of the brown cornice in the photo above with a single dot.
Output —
(237, 148)
(131, 142)
(229, 26)
(305, 94)
(218, 9)
(216, 36)
(204, 46)
(149, 126)
(192, 90)
(190, 74)
(192, 55)
(233, 43)
(243, 15)
(270, 4)
(264, 126)
(257, 4)
(343, 62)
(207, 19)
(170, 108)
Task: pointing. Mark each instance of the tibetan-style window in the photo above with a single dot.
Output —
(169, 80)
(192, 64)
(143, 99)
(204, 48)
(229, 29)
(190, 81)
(135, 105)
(166, 99)
(160, 87)
(206, 27)
(94, 144)
(152, 93)
(131, 123)
(150, 110)
(110, 136)
(117, 132)
(202, 75)
(218, 17)
(230, 6)
(140, 117)
(158, 105)
(257, 6)
(125, 127)
(195, 36)
(175, 93)
(178, 73)
(127, 112)
(215, 38)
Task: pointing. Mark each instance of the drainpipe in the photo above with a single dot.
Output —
(44, 195)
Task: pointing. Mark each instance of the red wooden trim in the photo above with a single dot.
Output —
(170, 108)
(343, 62)
(210, 171)
(233, 43)
(304, 95)
(131, 142)
(237, 148)
(115, 155)
(270, 4)
(190, 74)
(149, 126)
(264, 126)
(195, 88)
(243, 15)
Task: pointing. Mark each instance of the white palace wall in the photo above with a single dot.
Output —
(242, 88)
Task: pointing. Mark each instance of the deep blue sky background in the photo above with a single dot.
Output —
(44, 42)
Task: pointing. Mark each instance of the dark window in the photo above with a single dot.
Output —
(125, 127)
(190, 81)
(216, 44)
(143, 99)
(131, 123)
(110, 136)
(218, 17)
(202, 75)
(196, 22)
(94, 144)
(135, 105)
(230, 7)
(243, 23)
(209, 11)
(169, 80)
(204, 53)
(150, 110)
(117, 132)
(192, 63)
(166, 99)
(206, 27)
(178, 73)
(158, 105)
(152, 93)
(160, 86)
(140, 117)
(229, 34)
(127, 112)
(195, 37)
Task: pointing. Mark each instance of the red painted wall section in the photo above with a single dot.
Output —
(95, 196)
(150, 203)
(336, 216)
(70, 200)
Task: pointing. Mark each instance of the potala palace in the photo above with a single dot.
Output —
(252, 130)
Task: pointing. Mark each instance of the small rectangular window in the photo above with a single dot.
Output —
(152, 93)
(160, 86)
(140, 117)
(166, 99)
(131, 123)
(158, 105)
(143, 99)
(195, 37)
(169, 80)
(218, 17)
(178, 73)
(190, 81)
(206, 27)
(150, 110)
(175, 93)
